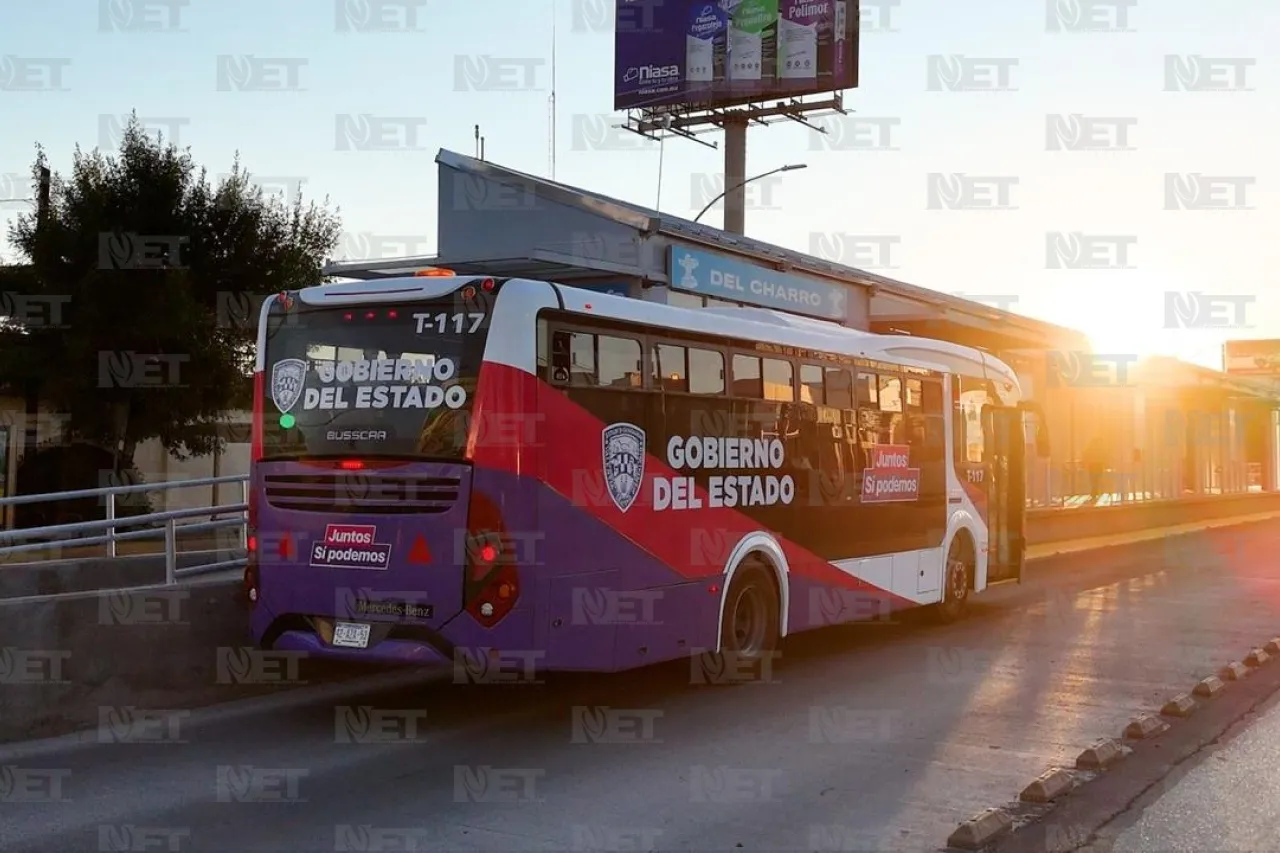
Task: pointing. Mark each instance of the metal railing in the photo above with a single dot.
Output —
(108, 529)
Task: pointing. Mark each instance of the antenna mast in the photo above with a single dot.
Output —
(551, 102)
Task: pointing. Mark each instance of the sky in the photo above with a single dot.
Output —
(1124, 268)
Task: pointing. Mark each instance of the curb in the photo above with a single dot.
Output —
(1044, 792)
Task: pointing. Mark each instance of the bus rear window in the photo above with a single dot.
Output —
(373, 380)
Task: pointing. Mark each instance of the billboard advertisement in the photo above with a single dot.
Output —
(711, 54)
(1252, 358)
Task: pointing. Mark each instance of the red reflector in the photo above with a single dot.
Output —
(348, 316)
(488, 553)
(468, 292)
(587, 306)
(487, 285)
(253, 544)
(350, 464)
(286, 546)
(370, 315)
(392, 315)
(714, 589)
(420, 553)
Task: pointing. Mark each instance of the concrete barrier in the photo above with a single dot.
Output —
(21, 580)
(1046, 526)
(116, 658)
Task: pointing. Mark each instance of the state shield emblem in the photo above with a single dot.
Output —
(287, 376)
(622, 447)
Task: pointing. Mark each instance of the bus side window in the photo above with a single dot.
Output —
(706, 371)
(747, 379)
(618, 362)
(970, 402)
(839, 388)
(811, 385)
(778, 381)
(868, 391)
(582, 359)
(669, 370)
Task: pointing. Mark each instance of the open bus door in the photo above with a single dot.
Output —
(1007, 487)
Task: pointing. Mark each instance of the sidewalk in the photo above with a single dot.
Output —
(1225, 801)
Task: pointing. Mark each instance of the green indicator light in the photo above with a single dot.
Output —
(287, 421)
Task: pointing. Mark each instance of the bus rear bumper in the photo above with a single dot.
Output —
(390, 651)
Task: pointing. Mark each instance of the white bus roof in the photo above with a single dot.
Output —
(760, 324)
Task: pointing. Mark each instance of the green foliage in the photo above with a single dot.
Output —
(143, 257)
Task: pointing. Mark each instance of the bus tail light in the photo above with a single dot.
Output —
(491, 585)
(257, 440)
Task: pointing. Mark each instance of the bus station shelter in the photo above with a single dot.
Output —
(1165, 429)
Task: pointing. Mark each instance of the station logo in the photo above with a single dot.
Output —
(351, 546)
(890, 476)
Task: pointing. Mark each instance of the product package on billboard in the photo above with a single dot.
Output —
(705, 54)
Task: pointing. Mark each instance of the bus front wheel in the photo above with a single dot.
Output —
(957, 580)
(750, 630)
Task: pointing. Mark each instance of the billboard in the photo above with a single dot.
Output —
(1251, 358)
(712, 54)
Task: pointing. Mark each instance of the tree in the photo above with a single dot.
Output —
(139, 290)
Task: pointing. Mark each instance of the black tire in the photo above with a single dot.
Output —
(752, 629)
(957, 580)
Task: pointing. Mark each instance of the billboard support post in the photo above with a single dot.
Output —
(735, 175)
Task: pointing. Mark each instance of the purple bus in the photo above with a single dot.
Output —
(457, 466)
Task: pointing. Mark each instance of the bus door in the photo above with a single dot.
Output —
(1006, 492)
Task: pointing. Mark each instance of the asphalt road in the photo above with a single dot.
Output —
(878, 737)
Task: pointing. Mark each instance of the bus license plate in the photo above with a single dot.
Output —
(351, 635)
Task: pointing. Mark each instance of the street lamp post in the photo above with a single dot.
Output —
(736, 189)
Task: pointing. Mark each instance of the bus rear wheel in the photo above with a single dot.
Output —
(957, 581)
(750, 632)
